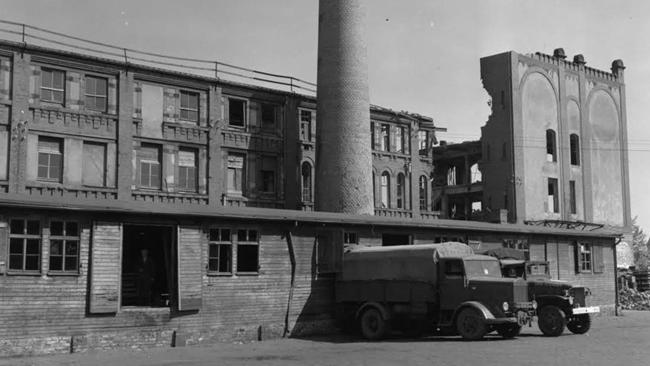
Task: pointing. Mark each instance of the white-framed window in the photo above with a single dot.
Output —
(189, 106)
(52, 85)
(150, 166)
(96, 93)
(50, 159)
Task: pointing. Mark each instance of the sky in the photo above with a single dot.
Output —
(423, 55)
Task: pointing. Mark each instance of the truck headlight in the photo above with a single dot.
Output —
(505, 306)
(534, 305)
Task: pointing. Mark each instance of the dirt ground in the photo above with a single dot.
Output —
(623, 340)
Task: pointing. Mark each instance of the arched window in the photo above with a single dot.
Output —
(423, 193)
(574, 141)
(385, 190)
(551, 146)
(401, 190)
(306, 182)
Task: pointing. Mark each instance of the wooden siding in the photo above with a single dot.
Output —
(189, 268)
(105, 267)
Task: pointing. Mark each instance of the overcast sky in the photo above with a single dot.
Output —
(423, 54)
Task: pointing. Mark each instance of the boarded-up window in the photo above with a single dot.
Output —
(247, 251)
(330, 251)
(50, 159)
(187, 172)
(25, 245)
(235, 173)
(190, 273)
(96, 93)
(268, 174)
(52, 85)
(220, 251)
(94, 164)
(64, 246)
(149, 165)
(105, 261)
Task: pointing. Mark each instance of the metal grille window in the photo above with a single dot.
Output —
(50, 159)
(52, 85)
(187, 170)
(25, 245)
(96, 93)
(247, 251)
(189, 106)
(64, 246)
(150, 175)
(220, 251)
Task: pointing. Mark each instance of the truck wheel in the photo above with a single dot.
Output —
(579, 324)
(373, 326)
(551, 321)
(470, 324)
(509, 331)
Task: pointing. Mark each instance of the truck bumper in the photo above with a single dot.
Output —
(586, 310)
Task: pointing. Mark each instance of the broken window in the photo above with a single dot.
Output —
(552, 197)
(149, 166)
(574, 142)
(94, 164)
(235, 173)
(189, 106)
(64, 246)
(236, 112)
(50, 159)
(52, 85)
(551, 146)
(96, 93)
(187, 171)
(220, 251)
(247, 251)
(25, 245)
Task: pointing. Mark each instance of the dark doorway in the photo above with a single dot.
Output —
(395, 239)
(147, 259)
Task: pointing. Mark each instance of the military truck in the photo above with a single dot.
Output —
(559, 303)
(418, 288)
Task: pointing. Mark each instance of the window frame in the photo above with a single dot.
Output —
(60, 141)
(24, 236)
(551, 146)
(220, 243)
(52, 89)
(187, 108)
(423, 186)
(574, 149)
(573, 203)
(150, 162)
(95, 96)
(350, 237)
(64, 239)
(305, 125)
(306, 183)
(400, 186)
(244, 121)
(104, 171)
(242, 185)
(553, 182)
(246, 243)
(384, 190)
(187, 168)
(585, 258)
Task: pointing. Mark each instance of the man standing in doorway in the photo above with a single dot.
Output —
(146, 273)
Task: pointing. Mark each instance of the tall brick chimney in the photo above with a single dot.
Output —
(343, 152)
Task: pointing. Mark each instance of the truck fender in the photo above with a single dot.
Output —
(476, 305)
(384, 313)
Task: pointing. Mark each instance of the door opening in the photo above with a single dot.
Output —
(147, 259)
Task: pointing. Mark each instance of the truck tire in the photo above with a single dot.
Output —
(471, 324)
(551, 321)
(372, 324)
(579, 324)
(509, 331)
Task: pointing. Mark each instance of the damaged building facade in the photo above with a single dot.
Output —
(102, 160)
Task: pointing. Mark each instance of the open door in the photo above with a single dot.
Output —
(105, 262)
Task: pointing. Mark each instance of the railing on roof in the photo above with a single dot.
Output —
(36, 36)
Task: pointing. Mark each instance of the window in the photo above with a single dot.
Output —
(50, 159)
(584, 252)
(189, 106)
(453, 268)
(268, 174)
(574, 142)
(247, 251)
(384, 142)
(551, 150)
(305, 125)
(220, 251)
(268, 115)
(236, 173)
(423, 193)
(236, 112)
(572, 196)
(519, 244)
(385, 190)
(350, 238)
(401, 190)
(552, 198)
(25, 245)
(306, 182)
(400, 143)
(187, 172)
(64, 246)
(423, 142)
(96, 91)
(52, 85)
(451, 176)
(94, 164)
(150, 173)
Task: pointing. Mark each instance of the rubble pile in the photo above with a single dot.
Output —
(631, 299)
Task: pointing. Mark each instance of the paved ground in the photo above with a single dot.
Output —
(612, 341)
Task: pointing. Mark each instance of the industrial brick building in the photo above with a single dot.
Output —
(100, 159)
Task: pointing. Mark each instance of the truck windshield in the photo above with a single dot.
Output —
(482, 268)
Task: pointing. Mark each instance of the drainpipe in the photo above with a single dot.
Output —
(292, 257)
